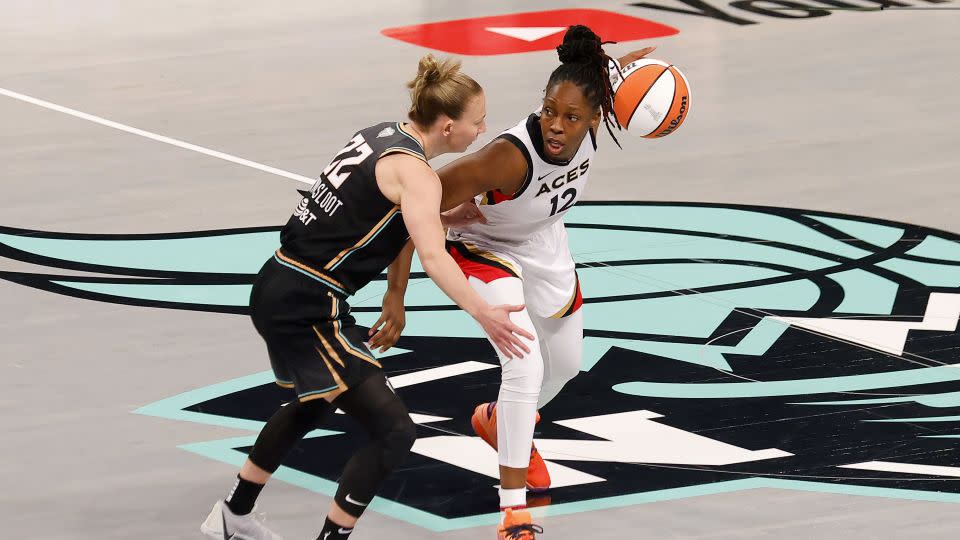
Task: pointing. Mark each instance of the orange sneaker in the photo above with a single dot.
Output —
(484, 422)
(518, 525)
(538, 477)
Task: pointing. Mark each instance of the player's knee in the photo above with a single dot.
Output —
(398, 441)
(522, 385)
(523, 375)
(310, 413)
(568, 367)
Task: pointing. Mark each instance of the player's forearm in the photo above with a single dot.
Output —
(398, 273)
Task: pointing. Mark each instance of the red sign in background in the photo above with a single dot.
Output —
(524, 32)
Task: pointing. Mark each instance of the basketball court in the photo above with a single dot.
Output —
(772, 291)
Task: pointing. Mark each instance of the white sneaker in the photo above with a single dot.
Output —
(222, 524)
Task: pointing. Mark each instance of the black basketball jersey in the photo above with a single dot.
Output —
(344, 231)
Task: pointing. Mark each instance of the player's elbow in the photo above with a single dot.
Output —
(431, 259)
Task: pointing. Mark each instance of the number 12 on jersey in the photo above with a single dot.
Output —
(569, 196)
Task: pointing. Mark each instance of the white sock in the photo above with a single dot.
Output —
(510, 498)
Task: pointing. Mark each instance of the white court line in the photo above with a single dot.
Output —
(442, 372)
(434, 374)
(156, 137)
(909, 468)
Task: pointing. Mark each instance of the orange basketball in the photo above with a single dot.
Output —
(651, 99)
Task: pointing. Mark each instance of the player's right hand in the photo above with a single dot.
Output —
(505, 335)
(635, 55)
(463, 215)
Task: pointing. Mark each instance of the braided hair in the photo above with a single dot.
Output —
(584, 63)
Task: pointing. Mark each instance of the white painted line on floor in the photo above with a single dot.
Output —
(441, 372)
(908, 468)
(156, 137)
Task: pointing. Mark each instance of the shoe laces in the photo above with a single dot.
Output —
(516, 532)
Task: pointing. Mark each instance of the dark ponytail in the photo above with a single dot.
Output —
(584, 63)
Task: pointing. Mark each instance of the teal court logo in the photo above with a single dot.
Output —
(726, 348)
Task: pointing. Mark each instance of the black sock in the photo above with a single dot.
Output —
(332, 531)
(242, 497)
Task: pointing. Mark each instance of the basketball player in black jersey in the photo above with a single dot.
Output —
(375, 194)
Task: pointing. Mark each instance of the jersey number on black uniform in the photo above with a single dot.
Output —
(340, 168)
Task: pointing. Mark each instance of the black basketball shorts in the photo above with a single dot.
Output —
(314, 344)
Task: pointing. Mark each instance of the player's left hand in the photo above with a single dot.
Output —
(463, 215)
(635, 55)
(386, 331)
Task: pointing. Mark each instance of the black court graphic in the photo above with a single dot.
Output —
(726, 348)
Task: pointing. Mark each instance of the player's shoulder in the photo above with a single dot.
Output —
(503, 146)
(403, 164)
(514, 145)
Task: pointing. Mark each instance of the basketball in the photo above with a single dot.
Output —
(651, 98)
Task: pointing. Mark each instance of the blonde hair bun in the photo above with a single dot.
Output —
(439, 88)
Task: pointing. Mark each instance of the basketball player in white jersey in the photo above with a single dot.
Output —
(514, 250)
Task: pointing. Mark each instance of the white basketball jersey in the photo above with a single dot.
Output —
(550, 189)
